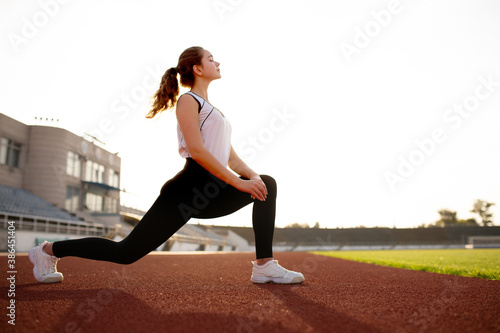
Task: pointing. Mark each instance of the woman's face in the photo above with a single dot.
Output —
(210, 67)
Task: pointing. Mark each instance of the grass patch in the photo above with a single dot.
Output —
(481, 263)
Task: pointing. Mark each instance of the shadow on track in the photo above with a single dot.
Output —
(112, 310)
(320, 318)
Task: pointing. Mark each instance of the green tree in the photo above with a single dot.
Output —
(481, 208)
(298, 225)
(468, 223)
(448, 218)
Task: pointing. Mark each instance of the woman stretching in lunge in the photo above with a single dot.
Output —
(205, 188)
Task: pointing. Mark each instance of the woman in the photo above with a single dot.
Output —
(205, 188)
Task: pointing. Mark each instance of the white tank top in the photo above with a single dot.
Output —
(215, 131)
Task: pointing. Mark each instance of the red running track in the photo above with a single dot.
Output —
(213, 293)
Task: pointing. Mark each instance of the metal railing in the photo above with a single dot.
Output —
(43, 224)
(198, 240)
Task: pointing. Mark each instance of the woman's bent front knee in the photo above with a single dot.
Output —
(271, 185)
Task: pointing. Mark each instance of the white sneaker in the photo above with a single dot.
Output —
(271, 271)
(45, 269)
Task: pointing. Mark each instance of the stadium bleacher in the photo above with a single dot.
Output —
(199, 231)
(19, 201)
(388, 237)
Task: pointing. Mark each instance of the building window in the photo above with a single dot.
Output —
(94, 172)
(74, 165)
(111, 205)
(101, 204)
(94, 202)
(10, 153)
(72, 196)
(113, 178)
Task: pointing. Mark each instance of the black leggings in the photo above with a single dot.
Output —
(193, 192)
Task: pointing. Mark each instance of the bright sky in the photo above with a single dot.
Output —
(375, 113)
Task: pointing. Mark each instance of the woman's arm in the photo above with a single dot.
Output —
(237, 165)
(187, 117)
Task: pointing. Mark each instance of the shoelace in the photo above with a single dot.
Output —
(281, 268)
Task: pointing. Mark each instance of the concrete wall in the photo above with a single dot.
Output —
(46, 164)
(240, 242)
(46, 175)
(26, 240)
(18, 132)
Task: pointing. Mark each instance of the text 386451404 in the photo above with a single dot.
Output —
(11, 272)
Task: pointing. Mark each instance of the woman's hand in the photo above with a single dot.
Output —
(255, 186)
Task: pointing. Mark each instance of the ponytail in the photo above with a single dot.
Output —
(166, 96)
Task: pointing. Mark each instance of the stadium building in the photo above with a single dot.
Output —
(57, 185)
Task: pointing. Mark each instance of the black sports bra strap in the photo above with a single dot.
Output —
(197, 101)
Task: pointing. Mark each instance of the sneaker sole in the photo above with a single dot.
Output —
(56, 277)
(265, 279)
(49, 278)
(31, 255)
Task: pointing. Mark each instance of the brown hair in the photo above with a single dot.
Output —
(166, 96)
